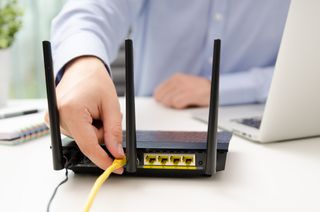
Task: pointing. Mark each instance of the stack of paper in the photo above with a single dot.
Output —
(22, 128)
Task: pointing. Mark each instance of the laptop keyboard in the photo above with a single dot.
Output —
(252, 122)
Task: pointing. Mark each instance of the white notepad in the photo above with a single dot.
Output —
(22, 128)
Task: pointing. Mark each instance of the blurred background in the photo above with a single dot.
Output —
(27, 74)
(27, 77)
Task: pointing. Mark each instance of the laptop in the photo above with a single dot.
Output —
(292, 109)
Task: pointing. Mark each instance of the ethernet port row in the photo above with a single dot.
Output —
(163, 159)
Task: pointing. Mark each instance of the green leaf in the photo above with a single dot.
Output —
(10, 22)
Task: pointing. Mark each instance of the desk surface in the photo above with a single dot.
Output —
(270, 177)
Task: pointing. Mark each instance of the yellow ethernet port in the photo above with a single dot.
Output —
(151, 159)
(175, 159)
(163, 159)
(188, 160)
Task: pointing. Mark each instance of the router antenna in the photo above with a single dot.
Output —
(56, 145)
(211, 160)
(131, 140)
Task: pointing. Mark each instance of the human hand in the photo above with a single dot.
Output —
(183, 90)
(84, 94)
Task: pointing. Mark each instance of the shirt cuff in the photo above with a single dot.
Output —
(245, 87)
(237, 88)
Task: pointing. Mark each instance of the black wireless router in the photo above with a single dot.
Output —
(155, 153)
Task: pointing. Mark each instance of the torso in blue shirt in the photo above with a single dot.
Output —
(177, 36)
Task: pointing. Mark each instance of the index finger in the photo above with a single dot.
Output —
(84, 134)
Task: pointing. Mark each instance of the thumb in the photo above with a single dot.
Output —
(112, 127)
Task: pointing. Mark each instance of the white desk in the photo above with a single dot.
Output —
(271, 177)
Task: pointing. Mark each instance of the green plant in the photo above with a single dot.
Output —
(10, 22)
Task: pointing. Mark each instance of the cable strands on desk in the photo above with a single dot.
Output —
(58, 186)
(117, 163)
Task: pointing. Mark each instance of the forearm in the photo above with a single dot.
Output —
(89, 28)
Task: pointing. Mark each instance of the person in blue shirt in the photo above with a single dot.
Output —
(173, 54)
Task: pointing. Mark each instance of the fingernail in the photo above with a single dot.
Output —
(118, 171)
(120, 149)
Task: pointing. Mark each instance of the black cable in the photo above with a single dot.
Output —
(67, 164)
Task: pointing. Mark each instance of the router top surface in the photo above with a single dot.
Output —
(172, 140)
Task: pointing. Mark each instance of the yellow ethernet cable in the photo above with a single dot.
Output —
(117, 163)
